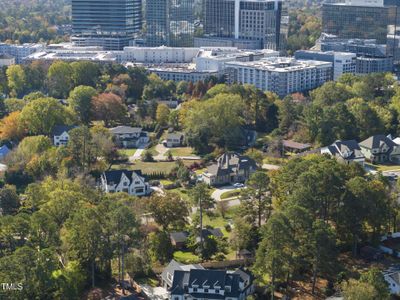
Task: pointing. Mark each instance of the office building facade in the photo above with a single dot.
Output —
(169, 23)
(357, 19)
(108, 24)
(246, 20)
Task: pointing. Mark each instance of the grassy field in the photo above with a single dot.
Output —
(127, 152)
(182, 151)
(160, 166)
(230, 194)
(186, 257)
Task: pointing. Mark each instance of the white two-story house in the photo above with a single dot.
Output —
(61, 135)
(129, 137)
(131, 182)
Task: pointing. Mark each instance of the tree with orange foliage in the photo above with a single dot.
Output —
(10, 127)
(109, 108)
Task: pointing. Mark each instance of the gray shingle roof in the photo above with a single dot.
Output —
(376, 141)
(60, 129)
(231, 162)
(179, 236)
(125, 130)
(115, 175)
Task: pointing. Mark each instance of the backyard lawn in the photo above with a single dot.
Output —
(127, 152)
(157, 167)
(182, 151)
(186, 257)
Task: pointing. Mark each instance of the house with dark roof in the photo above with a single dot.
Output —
(167, 276)
(179, 239)
(231, 167)
(131, 182)
(379, 149)
(345, 151)
(392, 278)
(129, 137)
(174, 139)
(61, 134)
(211, 284)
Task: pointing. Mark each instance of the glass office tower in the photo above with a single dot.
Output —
(347, 20)
(246, 20)
(109, 24)
(169, 23)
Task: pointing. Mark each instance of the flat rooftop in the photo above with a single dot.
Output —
(281, 64)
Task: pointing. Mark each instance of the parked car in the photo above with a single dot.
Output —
(238, 185)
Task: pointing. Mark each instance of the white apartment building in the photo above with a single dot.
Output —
(281, 75)
(20, 51)
(157, 55)
(342, 62)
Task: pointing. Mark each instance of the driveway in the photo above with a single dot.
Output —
(216, 195)
(161, 149)
(138, 153)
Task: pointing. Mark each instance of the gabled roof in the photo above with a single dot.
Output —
(125, 130)
(179, 236)
(115, 175)
(175, 136)
(376, 141)
(346, 149)
(230, 162)
(295, 145)
(60, 129)
(203, 278)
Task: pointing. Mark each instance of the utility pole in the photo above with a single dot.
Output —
(201, 224)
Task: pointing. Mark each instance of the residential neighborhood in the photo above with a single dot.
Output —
(199, 150)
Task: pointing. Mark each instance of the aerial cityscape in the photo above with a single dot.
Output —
(199, 149)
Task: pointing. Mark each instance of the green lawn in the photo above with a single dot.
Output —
(186, 257)
(200, 171)
(230, 194)
(182, 151)
(159, 166)
(127, 152)
(154, 167)
(382, 168)
(166, 182)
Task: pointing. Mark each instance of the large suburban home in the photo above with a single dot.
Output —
(174, 139)
(230, 168)
(131, 182)
(392, 278)
(61, 134)
(211, 284)
(379, 149)
(345, 151)
(167, 276)
(129, 137)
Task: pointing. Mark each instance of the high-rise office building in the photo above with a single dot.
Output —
(109, 24)
(259, 20)
(365, 19)
(361, 19)
(169, 23)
